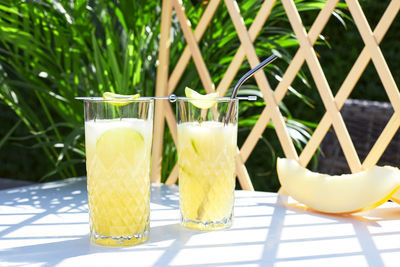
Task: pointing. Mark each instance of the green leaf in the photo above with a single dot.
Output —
(35, 134)
(59, 168)
(9, 133)
(69, 141)
(97, 62)
(113, 62)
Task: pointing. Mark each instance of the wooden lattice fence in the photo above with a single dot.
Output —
(167, 82)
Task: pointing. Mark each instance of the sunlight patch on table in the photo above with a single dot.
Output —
(383, 242)
(391, 259)
(20, 209)
(219, 255)
(249, 211)
(125, 257)
(317, 248)
(167, 215)
(49, 230)
(358, 261)
(392, 226)
(310, 232)
(63, 218)
(226, 238)
(14, 219)
(255, 222)
(21, 243)
(74, 208)
(156, 206)
(306, 218)
(22, 263)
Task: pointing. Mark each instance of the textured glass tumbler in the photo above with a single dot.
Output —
(206, 156)
(118, 138)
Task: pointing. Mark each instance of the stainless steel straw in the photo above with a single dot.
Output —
(243, 79)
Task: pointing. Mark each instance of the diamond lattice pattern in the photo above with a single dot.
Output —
(166, 83)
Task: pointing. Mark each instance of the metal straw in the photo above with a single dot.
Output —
(243, 79)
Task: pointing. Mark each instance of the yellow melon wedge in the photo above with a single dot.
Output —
(396, 197)
(201, 101)
(346, 193)
(119, 100)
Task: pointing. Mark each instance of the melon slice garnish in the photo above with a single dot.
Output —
(199, 100)
(119, 100)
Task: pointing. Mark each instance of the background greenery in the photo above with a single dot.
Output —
(53, 51)
(345, 44)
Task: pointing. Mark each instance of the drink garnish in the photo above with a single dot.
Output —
(115, 97)
(201, 101)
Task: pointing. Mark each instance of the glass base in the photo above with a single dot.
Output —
(119, 241)
(225, 223)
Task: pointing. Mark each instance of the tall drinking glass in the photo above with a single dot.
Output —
(206, 157)
(118, 137)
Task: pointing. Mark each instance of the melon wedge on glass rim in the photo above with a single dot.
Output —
(199, 100)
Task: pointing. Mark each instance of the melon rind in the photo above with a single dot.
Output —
(396, 197)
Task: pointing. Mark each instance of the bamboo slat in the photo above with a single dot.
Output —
(323, 87)
(186, 55)
(161, 90)
(196, 54)
(173, 176)
(237, 60)
(171, 121)
(244, 178)
(383, 141)
(287, 79)
(349, 83)
(261, 80)
(376, 54)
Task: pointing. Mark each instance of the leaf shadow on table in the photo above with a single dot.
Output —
(31, 217)
(47, 254)
(165, 195)
(31, 205)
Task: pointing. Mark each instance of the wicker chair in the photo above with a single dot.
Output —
(365, 121)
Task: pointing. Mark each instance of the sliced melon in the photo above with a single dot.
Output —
(119, 100)
(396, 197)
(340, 193)
(199, 100)
(122, 145)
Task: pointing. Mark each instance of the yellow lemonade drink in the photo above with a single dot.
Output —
(206, 156)
(118, 163)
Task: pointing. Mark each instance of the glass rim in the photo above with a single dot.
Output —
(151, 99)
(218, 99)
(119, 100)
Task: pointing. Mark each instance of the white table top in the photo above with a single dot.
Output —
(47, 225)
